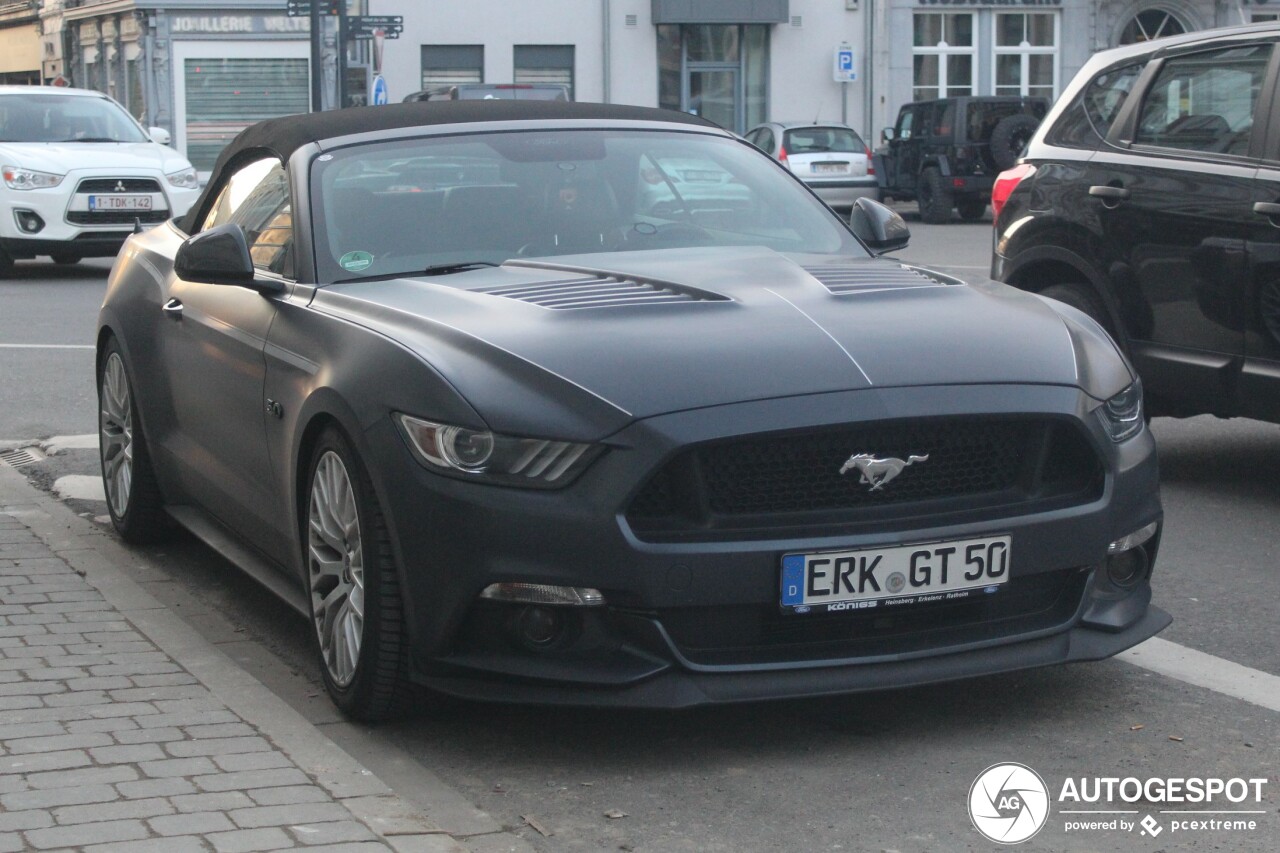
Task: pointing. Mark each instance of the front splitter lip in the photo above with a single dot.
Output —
(680, 688)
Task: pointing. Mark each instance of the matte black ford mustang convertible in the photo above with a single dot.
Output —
(576, 403)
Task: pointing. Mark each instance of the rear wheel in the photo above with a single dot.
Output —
(934, 198)
(356, 605)
(972, 208)
(133, 495)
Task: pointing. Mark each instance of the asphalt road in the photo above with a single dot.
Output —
(889, 771)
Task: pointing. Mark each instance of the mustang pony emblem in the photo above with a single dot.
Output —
(877, 472)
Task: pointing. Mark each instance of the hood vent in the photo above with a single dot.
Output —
(598, 291)
(861, 278)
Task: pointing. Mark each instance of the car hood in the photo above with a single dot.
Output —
(646, 333)
(62, 157)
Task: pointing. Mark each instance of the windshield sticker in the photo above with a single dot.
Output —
(355, 261)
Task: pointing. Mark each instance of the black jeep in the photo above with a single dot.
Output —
(947, 153)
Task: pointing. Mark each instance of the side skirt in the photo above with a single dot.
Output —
(262, 569)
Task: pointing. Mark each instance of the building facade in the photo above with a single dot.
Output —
(203, 69)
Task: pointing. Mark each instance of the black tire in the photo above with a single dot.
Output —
(1010, 136)
(971, 208)
(377, 687)
(129, 480)
(934, 198)
(66, 258)
(1082, 298)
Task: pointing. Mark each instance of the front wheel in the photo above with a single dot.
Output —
(353, 588)
(1081, 298)
(66, 258)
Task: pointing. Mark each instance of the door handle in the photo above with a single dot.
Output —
(1266, 208)
(1111, 196)
(173, 309)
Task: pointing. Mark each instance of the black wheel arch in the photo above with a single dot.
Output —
(1039, 267)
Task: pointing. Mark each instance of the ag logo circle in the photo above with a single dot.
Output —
(1008, 803)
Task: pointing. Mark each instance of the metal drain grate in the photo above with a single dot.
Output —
(20, 456)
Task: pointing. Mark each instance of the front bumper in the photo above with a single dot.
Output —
(58, 208)
(673, 631)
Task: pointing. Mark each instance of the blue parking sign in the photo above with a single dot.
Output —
(844, 70)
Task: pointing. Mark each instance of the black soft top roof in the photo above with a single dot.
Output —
(283, 136)
(288, 134)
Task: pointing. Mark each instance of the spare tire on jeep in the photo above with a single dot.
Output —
(1010, 136)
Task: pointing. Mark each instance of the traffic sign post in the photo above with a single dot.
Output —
(844, 73)
(379, 95)
(302, 8)
(364, 26)
(844, 70)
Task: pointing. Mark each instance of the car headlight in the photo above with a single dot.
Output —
(187, 179)
(1122, 414)
(18, 178)
(539, 463)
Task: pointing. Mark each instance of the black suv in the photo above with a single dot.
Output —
(1150, 200)
(946, 153)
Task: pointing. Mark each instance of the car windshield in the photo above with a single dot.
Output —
(65, 118)
(406, 206)
(819, 140)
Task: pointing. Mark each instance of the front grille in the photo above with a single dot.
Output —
(792, 480)
(115, 217)
(598, 292)
(114, 185)
(761, 633)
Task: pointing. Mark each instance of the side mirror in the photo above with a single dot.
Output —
(887, 133)
(217, 256)
(159, 135)
(880, 228)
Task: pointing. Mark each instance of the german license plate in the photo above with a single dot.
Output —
(119, 202)
(830, 168)
(832, 581)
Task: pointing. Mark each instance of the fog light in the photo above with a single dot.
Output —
(539, 626)
(538, 593)
(1134, 539)
(1127, 568)
(29, 221)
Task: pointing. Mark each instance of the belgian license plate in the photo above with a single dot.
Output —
(119, 202)
(830, 168)
(832, 581)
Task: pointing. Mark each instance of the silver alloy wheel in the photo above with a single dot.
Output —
(115, 426)
(335, 568)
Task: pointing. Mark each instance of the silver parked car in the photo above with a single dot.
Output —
(831, 158)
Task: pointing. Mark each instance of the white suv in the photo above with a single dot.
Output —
(79, 174)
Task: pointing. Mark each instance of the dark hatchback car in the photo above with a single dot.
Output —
(502, 412)
(1150, 200)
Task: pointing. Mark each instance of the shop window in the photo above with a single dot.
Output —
(1026, 54)
(943, 53)
(717, 71)
(226, 95)
(540, 63)
(452, 64)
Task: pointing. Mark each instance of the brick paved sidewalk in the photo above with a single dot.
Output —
(107, 743)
